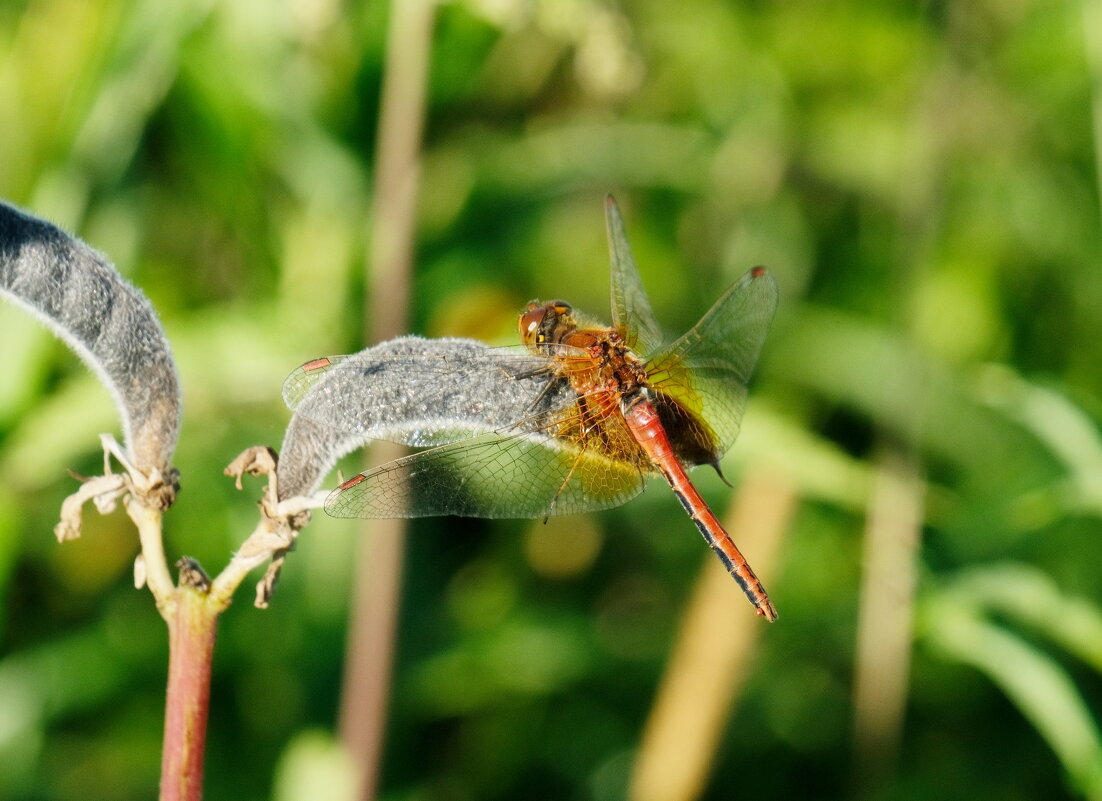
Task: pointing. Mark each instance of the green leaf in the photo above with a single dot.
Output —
(1032, 680)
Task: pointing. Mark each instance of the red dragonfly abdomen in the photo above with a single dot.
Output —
(643, 421)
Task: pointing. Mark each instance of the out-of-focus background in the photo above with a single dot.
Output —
(919, 475)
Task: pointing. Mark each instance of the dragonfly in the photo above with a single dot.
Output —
(573, 419)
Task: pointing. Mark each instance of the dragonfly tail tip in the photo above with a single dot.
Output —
(768, 611)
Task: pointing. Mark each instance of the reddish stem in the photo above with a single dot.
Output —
(192, 625)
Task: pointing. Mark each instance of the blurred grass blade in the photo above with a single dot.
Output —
(713, 653)
(1060, 425)
(1035, 683)
(893, 532)
(38, 686)
(1027, 595)
(1092, 40)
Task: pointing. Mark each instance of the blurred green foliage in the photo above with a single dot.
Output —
(923, 180)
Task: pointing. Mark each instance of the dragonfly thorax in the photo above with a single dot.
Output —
(593, 359)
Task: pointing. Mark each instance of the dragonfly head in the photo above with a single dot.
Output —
(546, 323)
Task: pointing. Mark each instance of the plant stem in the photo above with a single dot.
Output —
(192, 626)
(157, 577)
(372, 629)
(371, 651)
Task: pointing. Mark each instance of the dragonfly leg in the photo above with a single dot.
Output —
(545, 393)
(562, 486)
(536, 372)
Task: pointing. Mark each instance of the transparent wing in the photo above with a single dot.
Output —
(497, 475)
(631, 312)
(708, 369)
(306, 377)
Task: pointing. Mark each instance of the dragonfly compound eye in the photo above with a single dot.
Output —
(561, 308)
(530, 323)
